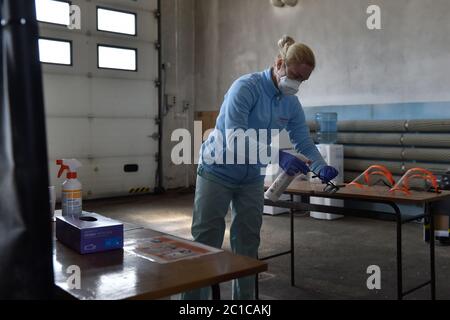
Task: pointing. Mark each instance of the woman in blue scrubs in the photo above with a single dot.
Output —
(261, 101)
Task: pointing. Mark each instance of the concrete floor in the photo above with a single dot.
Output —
(331, 256)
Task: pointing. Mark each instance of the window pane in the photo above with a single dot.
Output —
(116, 21)
(117, 58)
(53, 11)
(54, 51)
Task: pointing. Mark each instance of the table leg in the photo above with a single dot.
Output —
(292, 246)
(257, 287)
(216, 292)
(429, 213)
(399, 253)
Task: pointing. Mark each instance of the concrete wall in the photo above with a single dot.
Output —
(407, 61)
(401, 71)
(178, 38)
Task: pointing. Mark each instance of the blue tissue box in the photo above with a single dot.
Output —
(89, 233)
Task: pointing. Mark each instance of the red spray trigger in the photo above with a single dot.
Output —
(62, 169)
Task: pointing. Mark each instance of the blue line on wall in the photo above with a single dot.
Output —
(397, 111)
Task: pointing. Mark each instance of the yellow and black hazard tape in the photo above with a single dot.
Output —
(140, 190)
(427, 227)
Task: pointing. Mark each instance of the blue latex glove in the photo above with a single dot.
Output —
(327, 174)
(292, 165)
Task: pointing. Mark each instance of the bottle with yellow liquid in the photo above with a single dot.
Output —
(72, 190)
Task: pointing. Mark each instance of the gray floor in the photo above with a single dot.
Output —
(331, 256)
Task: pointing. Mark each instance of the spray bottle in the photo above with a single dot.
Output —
(283, 181)
(71, 197)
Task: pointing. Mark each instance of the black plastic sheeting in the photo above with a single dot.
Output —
(25, 229)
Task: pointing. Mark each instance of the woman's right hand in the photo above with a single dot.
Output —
(292, 165)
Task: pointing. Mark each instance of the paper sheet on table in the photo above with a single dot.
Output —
(167, 249)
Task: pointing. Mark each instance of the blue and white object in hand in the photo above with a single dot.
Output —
(292, 165)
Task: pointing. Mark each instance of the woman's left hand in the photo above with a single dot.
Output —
(327, 174)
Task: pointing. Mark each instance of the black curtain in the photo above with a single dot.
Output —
(25, 229)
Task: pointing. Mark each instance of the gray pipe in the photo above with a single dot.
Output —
(372, 126)
(363, 165)
(433, 167)
(428, 126)
(349, 176)
(394, 139)
(402, 154)
(390, 126)
(427, 140)
(370, 139)
(385, 153)
(397, 168)
(425, 154)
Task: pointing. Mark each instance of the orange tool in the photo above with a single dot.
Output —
(382, 172)
(416, 173)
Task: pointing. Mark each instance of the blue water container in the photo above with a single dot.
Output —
(327, 128)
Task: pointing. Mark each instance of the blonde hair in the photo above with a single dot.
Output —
(295, 53)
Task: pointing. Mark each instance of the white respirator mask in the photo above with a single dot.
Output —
(289, 87)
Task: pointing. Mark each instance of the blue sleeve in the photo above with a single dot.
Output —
(300, 136)
(239, 102)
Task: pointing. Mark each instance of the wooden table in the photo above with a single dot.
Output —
(376, 195)
(119, 275)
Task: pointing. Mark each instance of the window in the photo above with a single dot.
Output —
(117, 58)
(52, 11)
(55, 51)
(116, 21)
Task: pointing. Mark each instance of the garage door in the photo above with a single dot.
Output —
(100, 94)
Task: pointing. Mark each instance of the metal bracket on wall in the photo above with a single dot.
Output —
(157, 45)
(6, 22)
(157, 83)
(159, 188)
(155, 136)
(406, 125)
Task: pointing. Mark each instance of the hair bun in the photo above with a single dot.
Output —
(286, 41)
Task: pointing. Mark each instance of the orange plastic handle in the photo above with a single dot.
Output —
(400, 189)
(421, 173)
(429, 175)
(432, 179)
(388, 176)
(383, 172)
(380, 167)
(427, 172)
(356, 184)
(62, 169)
